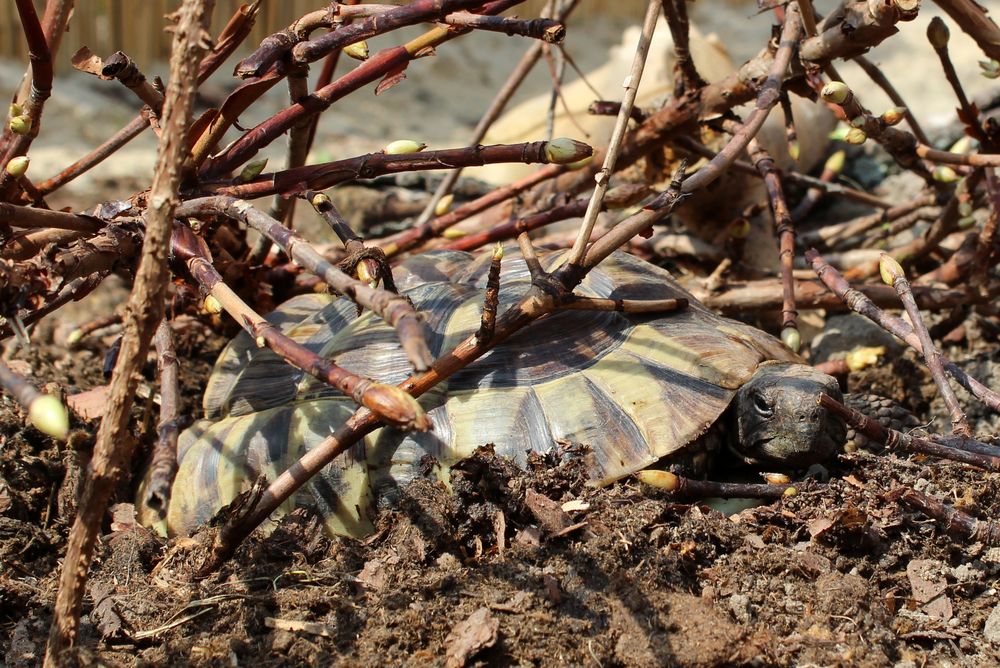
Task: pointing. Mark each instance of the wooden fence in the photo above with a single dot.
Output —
(136, 26)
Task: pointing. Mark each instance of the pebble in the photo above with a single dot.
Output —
(991, 630)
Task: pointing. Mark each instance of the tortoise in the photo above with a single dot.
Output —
(638, 389)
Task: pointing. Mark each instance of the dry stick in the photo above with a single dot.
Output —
(791, 176)
(677, 21)
(786, 241)
(497, 105)
(617, 198)
(406, 15)
(768, 95)
(875, 73)
(319, 177)
(23, 127)
(895, 325)
(389, 61)
(954, 522)
(232, 36)
(163, 464)
(831, 171)
(31, 217)
(88, 328)
(539, 300)
(856, 27)
(947, 157)
(407, 239)
(895, 440)
(387, 402)
(549, 31)
(372, 265)
(831, 235)
(24, 245)
(119, 66)
(892, 274)
(392, 308)
(689, 488)
(938, 35)
(491, 298)
(603, 176)
(973, 19)
(143, 313)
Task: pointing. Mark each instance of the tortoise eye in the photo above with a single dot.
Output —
(762, 406)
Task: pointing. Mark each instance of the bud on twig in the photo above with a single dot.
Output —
(855, 136)
(894, 116)
(791, 338)
(563, 150)
(444, 205)
(938, 33)
(890, 270)
(835, 92)
(253, 170)
(49, 416)
(357, 51)
(18, 166)
(212, 305)
(20, 125)
(403, 146)
(945, 174)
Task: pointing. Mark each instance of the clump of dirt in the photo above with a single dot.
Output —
(514, 567)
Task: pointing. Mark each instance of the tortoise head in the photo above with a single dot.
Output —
(779, 420)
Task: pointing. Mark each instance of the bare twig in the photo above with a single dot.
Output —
(163, 464)
(143, 313)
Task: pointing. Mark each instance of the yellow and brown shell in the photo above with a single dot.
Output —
(633, 388)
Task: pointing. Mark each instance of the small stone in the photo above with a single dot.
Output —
(991, 630)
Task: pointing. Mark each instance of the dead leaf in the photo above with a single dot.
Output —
(105, 615)
(372, 575)
(393, 77)
(549, 514)
(478, 631)
(122, 517)
(929, 587)
(90, 404)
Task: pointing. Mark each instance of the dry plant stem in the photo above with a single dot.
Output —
(791, 176)
(407, 239)
(967, 113)
(855, 27)
(232, 36)
(740, 298)
(283, 208)
(88, 328)
(623, 305)
(767, 97)
(681, 487)
(23, 392)
(875, 73)
(41, 87)
(603, 176)
(414, 12)
(786, 234)
(353, 244)
(491, 298)
(813, 195)
(325, 175)
(620, 197)
(973, 19)
(895, 440)
(124, 69)
(74, 290)
(677, 20)
(163, 464)
(549, 31)
(143, 313)
(25, 245)
(385, 62)
(31, 217)
(831, 235)
(902, 286)
(392, 308)
(952, 521)
(860, 303)
(497, 105)
(546, 292)
(970, 160)
(386, 402)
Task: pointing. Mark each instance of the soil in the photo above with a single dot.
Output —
(512, 567)
(532, 568)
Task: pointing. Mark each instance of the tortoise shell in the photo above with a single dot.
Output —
(634, 388)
